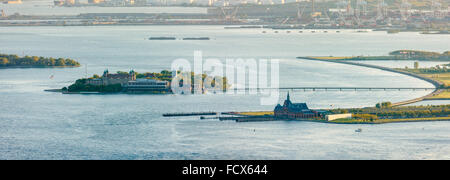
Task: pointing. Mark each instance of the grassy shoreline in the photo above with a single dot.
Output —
(385, 121)
(398, 55)
(440, 75)
(370, 58)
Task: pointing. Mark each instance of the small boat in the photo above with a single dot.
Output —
(313, 31)
(300, 32)
(325, 31)
(276, 31)
(338, 31)
(264, 32)
(358, 130)
(288, 32)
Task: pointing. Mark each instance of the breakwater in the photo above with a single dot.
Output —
(191, 114)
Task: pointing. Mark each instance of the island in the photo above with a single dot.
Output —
(134, 82)
(374, 115)
(380, 113)
(14, 61)
(394, 55)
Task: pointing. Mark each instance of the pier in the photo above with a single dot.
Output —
(248, 118)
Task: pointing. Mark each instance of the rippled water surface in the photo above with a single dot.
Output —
(39, 125)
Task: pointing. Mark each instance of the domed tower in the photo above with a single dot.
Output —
(105, 73)
(132, 76)
(105, 76)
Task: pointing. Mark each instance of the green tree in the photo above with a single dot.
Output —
(165, 72)
(35, 59)
(60, 62)
(4, 61)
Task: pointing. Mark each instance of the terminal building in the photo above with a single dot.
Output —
(291, 110)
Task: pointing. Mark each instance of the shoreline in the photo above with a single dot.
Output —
(104, 93)
(376, 58)
(419, 31)
(217, 23)
(433, 99)
(38, 67)
(380, 121)
(242, 117)
(435, 83)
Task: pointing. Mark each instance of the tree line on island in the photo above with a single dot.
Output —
(394, 55)
(80, 85)
(8, 60)
(419, 55)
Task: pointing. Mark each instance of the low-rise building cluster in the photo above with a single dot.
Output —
(129, 82)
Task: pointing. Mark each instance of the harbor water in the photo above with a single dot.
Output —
(45, 125)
